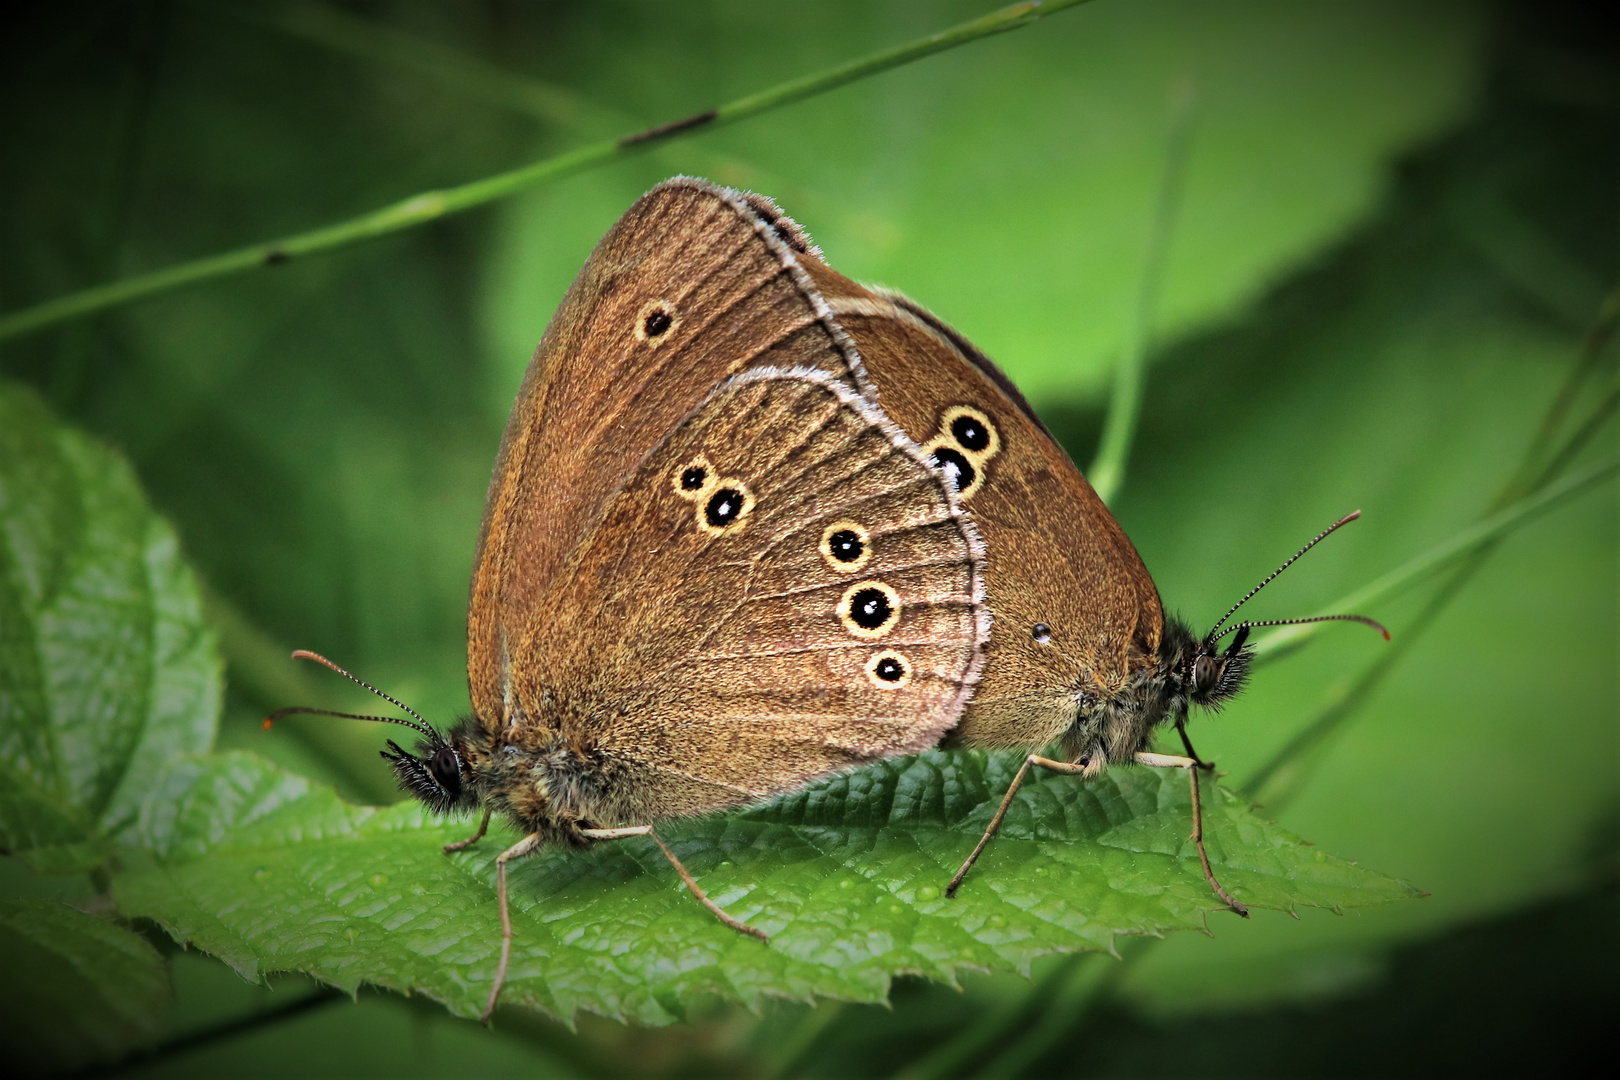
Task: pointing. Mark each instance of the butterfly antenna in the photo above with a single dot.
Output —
(1211, 637)
(295, 710)
(1362, 619)
(420, 725)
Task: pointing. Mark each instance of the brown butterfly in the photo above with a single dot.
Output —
(709, 570)
(1081, 652)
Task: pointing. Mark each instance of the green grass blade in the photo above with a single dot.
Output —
(431, 205)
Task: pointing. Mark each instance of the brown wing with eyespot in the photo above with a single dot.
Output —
(690, 286)
(1055, 556)
(783, 589)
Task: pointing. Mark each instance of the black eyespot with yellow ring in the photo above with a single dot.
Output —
(869, 609)
(723, 509)
(694, 479)
(656, 322)
(889, 670)
(846, 546)
(971, 431)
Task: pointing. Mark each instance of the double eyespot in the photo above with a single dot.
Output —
(656, 322)
(723, 503)
(963, 446)
(846, 546)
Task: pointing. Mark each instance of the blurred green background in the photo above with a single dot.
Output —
(1396, 222)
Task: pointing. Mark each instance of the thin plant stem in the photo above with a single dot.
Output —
(1582, 437)
(972, 1042)
(1592, 349)
(230, 1029)
(1283, 774)
(1083, 983)
(1476, 537)
(1107, 472)
(368, 39)
(429, 206)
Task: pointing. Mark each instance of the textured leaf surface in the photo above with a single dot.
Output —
(106, 669)
(271, 872)
(77, 989)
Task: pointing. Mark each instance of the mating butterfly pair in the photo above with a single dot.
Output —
(752, 523)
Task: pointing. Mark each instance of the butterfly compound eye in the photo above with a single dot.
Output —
(446, 770)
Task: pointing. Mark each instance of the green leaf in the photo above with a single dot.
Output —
(271, 873)
(106, 669)
(78, 989)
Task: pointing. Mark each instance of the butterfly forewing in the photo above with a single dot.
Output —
(689, 287)
(810, 603)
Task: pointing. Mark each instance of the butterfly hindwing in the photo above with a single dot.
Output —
(783, 588)
(1077, 616)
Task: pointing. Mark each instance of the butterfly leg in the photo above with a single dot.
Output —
(523, 847)
(1192, 765)
(691, 883)
(483, 827)
(1181, 729)
(1006, 801)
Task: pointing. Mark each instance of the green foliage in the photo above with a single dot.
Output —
(1337, 332)
(106, 671)
(1033, 160)
(1405, 380)
(77, 989)
(271, 873)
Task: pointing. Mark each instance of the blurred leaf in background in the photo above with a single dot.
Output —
(106, 668)
(1398, 220)
(78, 990)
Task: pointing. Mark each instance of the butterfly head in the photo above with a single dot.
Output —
(443, 772)
(440, 773)
(1201, 672)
